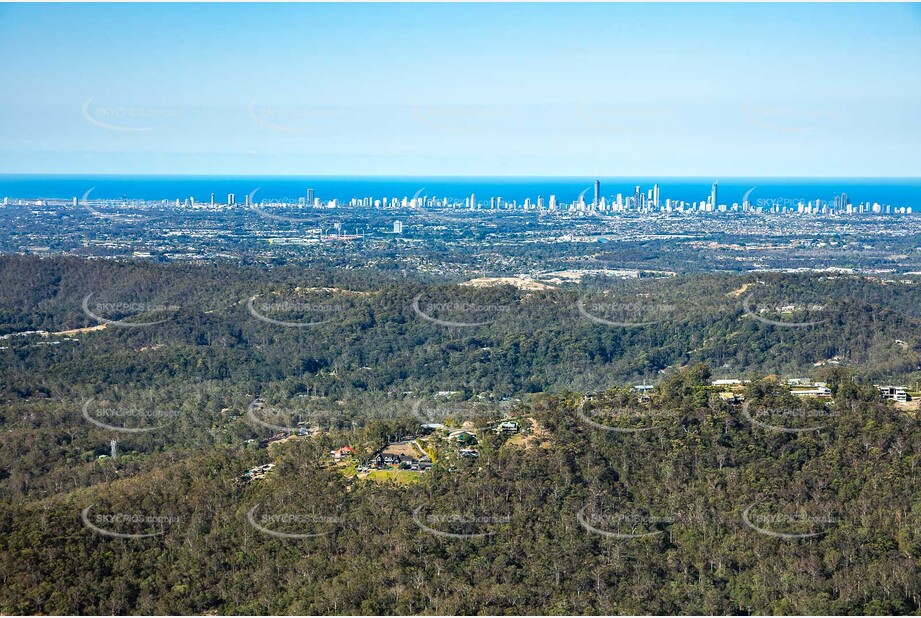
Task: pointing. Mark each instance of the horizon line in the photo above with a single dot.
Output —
(399, 176)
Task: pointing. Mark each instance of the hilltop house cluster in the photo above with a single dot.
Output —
(407, 452)
(803, 387)
(254, 474)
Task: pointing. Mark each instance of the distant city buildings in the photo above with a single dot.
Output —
(648, 201)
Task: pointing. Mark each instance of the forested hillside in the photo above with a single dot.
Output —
(671, 500)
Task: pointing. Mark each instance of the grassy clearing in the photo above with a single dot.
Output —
(400, 477)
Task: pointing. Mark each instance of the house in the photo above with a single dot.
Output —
(804, 387)
(422, 464)
(256, 473)
(342, 453)
(276, 438)
(399, 454)
(727, 382)
(387, 460)
(730, 397)
(468, 452)
(304, 429)
(821, 391)
(428, 428)
(508, 427)
(462, 437)
(899, 394)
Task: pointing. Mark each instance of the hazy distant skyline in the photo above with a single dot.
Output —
(462, 89)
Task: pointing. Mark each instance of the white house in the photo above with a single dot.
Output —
(898, 394)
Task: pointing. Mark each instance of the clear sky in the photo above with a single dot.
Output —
(462, 89)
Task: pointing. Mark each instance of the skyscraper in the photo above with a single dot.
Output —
(655, 195)
(713, 198)
(597, 193)
(310, 196)
(231, 199)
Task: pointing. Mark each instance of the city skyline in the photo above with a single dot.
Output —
(463, 90)
(642, 201)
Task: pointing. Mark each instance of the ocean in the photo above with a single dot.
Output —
(789, 191)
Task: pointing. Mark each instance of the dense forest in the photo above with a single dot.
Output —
(671, 502)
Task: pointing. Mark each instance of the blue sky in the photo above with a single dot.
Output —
(462, 89)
